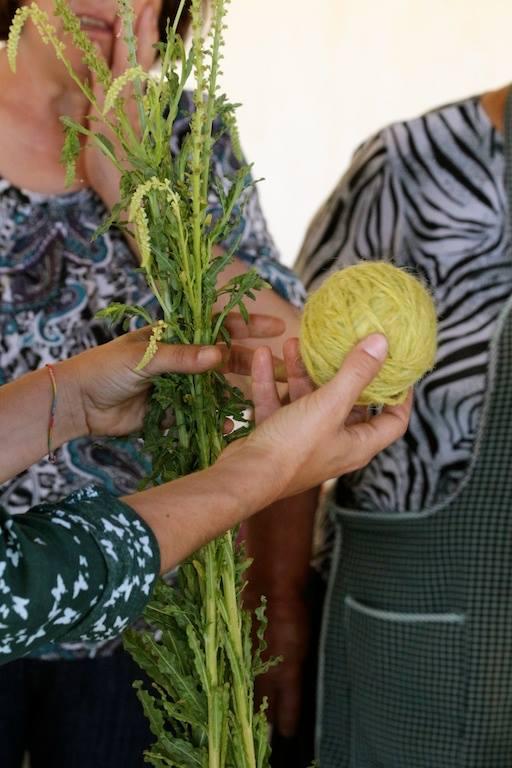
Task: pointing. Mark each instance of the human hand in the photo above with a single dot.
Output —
(110, 394)
(101, 174)
(297, 447)
(313, 439)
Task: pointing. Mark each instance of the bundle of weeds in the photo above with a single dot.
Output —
(200, 659)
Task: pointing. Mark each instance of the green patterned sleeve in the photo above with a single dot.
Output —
(79, 570)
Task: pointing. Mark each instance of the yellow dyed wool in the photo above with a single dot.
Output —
(371, 297)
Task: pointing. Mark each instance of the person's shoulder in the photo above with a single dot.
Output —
(436, 131)
(369, 160)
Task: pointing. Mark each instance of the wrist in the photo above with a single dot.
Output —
(70, 422)
(259, 476)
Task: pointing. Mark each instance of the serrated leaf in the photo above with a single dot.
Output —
(105, 145)
(117, 313)
(70, 153)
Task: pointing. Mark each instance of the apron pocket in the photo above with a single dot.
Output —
(406, 687)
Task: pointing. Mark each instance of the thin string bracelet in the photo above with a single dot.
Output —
(51, 424)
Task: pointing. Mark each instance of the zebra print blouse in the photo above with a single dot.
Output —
(428, 194)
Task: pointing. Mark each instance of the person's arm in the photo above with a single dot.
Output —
(25, 403)
(295, 448)
(115, 393)
(80, 569)
(83, 569)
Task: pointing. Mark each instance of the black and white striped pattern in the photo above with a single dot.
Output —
(428, 194)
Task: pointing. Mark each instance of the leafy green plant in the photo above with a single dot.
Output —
(201, 660)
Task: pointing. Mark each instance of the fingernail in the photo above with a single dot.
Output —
(376, 346)
(208, 356)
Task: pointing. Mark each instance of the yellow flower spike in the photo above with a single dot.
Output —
(18, 22)
(137, 215)
(115, 90)
(152, 348)
(143, 238)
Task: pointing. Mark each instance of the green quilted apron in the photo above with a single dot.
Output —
(416, 659)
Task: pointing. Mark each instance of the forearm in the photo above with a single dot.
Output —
(188, 512)
(279, 540)
(25, 406)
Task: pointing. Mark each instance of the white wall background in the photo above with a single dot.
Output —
(318, 76)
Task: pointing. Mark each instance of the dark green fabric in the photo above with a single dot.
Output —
(417, 656)
(416, 668)
(79, 570)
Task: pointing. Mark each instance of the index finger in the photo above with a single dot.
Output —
(147, 35)
(370, 438)
(120, 58)
(299, 383)
(258, 327)
(264, 391)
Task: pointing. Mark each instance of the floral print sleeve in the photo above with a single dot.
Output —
(78, 570)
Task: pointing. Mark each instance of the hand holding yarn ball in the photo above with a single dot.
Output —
(371, 297)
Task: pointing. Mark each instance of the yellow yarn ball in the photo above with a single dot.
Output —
(371, 297)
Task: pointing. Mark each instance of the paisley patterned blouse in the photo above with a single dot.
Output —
(53, 281)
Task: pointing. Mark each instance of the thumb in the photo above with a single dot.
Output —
(359, 368)
(182, 358)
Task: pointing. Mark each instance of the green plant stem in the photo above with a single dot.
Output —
(212, 85)
(177, 18)
(241, 688)
(214, 727)
(131, 42)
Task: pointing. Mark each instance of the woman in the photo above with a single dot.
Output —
(84, 567)
(52, 283)
(415, 665)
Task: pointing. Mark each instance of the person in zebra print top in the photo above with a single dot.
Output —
(427, 194)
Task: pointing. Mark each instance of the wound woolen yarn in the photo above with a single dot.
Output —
(371, 297)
